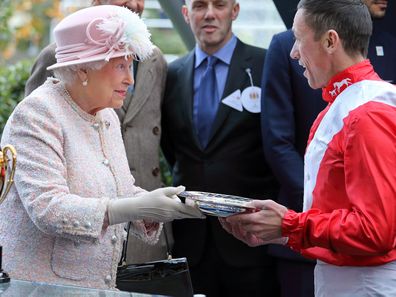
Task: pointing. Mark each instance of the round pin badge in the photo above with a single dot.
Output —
(251, 99)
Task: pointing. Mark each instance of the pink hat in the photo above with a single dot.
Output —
(99, 33)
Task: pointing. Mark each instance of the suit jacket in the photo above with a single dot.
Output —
(289, 107)
(140, 120)
(384, 65)
(39, 72)
(232, 163)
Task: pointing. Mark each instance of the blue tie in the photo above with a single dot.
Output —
(207, 102)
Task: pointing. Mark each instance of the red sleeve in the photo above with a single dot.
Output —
(368, 227)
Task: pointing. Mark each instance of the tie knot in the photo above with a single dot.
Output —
(211, 61)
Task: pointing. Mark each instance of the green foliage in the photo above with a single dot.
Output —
(12, 85)
(5, 14)
(168, 41)
(24, 27)
(36, 31)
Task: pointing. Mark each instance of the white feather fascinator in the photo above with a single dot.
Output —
(101, 33)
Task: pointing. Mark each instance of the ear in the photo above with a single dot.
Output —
(235, 11)
(184, 11)
(331, 41)
(82, 74)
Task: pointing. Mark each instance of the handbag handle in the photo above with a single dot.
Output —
(125, 246)
(168, 251)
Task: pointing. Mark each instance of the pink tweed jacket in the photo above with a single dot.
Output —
(70, 164)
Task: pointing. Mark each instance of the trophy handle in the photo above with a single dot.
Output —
(7, 180)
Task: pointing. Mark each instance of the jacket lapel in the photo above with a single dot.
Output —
(142, 90)
(236, 79)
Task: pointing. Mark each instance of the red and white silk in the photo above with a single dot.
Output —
(350, 175)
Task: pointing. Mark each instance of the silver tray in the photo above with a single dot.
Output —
(215, 204)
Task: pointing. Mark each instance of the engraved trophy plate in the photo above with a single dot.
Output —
(7, 171)
(215, 204)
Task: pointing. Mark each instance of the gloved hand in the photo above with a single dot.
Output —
(160, 205)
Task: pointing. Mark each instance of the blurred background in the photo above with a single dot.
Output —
(26, 26)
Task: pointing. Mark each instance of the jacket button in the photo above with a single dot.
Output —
(96, 126)
(108, 279)
(88, 225)
(106, 162)
(113, 239)
(156, 130)
(156, 171)
(76, 224)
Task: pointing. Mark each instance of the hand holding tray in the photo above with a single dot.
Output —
(215, 204)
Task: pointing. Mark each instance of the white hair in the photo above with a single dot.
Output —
(68, 74)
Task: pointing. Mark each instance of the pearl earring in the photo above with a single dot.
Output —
(85, 83)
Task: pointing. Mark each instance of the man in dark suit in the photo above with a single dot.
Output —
(230, 160)
(289, 107)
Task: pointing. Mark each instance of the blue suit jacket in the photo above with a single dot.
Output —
(289, 107)
(384, 65)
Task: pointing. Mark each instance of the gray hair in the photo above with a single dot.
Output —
(68, 74)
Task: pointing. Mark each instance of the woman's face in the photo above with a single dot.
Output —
(107, 87)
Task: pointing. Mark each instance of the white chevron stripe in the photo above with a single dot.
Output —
(351, 98)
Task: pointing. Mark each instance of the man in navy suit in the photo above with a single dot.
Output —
(230, 160)
(289, 107)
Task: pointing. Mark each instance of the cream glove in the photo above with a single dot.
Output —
(160, 205)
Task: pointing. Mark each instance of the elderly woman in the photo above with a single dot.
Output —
(63, 219)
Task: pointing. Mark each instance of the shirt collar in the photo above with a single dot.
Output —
(339, 82)
(224, 54)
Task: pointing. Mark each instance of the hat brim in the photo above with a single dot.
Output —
(96, 58)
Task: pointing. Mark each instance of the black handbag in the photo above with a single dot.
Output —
(169, 277)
